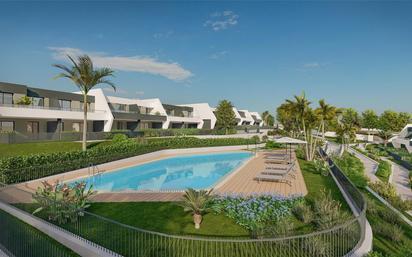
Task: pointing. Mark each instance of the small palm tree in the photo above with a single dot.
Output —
(196, 202)
(326, 113)
(85, 77)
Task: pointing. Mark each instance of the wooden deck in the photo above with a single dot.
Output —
(243, 182)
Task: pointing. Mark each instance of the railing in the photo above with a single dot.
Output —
(341, 240)
(29, 106)
(20, 239)
(16, 137)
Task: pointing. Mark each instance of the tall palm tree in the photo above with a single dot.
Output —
(300, 105)
(85, 77)
(326, 113)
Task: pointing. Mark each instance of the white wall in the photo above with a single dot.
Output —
(203, 111)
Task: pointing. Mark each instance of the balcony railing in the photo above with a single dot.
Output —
(22, 106)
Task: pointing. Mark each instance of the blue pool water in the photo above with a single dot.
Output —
(177, 173)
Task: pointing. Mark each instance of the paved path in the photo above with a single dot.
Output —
(400, 179)
(370, 165)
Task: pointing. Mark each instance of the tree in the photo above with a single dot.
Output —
(326, 114)
(225, 116)
(348, 126)
(85, 77)
(388, 121)
(24, 100)
(268, 119)
(370, 119)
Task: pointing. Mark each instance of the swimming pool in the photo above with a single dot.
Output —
(199, 171)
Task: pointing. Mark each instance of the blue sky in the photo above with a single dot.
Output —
(256, 54)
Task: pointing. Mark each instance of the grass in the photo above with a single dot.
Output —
(353, 168)
(9, 150)
(381, 243)
(384, 171)
(24, 240)
(165, 217)
(316, 182)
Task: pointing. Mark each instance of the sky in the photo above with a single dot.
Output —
(255, 54)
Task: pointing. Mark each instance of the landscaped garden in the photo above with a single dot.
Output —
(36, 165)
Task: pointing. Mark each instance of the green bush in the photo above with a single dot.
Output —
(28, 167)
(389, 216)
(303, 212)
(119, 138)
(384, 170)
(390, 231)
(328, 211)
(388, 192)
(183, 132)
(273, 145)
(353, 168)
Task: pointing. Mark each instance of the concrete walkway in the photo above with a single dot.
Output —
(400, 179)
(371, 166)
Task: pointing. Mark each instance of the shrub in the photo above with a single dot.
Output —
(255, 139)
(281, 228)
(372, 207)
(389, 216)
(63, 202)
(375, 254)
(390, 231)
(384, 170)
(273, 145)
(353, 168)
(327, 211)
(265, 138)
(253, 213)
(28, 167)
(119, 138)
(388, 191)
(303, 212)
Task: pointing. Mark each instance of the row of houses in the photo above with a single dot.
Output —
(53, 111)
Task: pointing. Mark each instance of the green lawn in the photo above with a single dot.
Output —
(353, 169)
(8, 150)
(168, 218)
(316, 182)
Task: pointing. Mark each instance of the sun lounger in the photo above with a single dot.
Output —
(273, 178)
(278, 162)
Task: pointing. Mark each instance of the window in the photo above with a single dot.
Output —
(37, 101)
(32, 127)
(118, 107)
(120, 125)
(6, 126)
(6, 98)
(77, 126)
(65, 104)
(88, 106)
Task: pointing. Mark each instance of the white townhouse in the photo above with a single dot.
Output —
(53, 111)
(403, 139)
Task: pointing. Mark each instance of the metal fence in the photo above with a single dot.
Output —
(16, 137)
(20, 239)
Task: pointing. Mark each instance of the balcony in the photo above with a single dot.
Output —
(38, 107)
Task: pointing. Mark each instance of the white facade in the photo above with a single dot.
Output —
(403, 139)
(106, 113)
(204, 112)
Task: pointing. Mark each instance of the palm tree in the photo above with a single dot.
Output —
(85, 77)
(196, 202)
(347, 133)
(385, 135)
(326, 113)
(300, 105)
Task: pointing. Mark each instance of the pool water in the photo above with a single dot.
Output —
(178, 173)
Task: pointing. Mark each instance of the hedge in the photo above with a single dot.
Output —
(182, 132)
(24, 168)
(384, 171)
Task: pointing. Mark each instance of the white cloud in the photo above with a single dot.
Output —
(221, 20)
(312, 65)
(171, 70)
(218, 55)
(162, 35)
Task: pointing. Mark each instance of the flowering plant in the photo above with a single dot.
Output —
(253, 212)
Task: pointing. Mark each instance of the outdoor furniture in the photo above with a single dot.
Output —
(278, 162)
(289, 170)
(273, 178)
